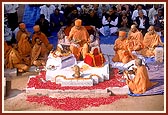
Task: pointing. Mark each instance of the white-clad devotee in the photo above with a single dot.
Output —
(47, 10)
(152, 12)
(109, 22)
(135, 12)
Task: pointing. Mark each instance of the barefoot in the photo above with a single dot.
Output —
(20, 70)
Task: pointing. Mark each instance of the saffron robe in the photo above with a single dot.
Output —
(82, 36)
(150, 42)
(39, 52)
(135, 41)
(14, 60)
(19, 33)
(140, 82)
(43, 38)
(24, 48)
(122, 53)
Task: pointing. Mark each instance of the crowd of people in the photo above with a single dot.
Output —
(107, 18)
(139, 28)
(134, 19)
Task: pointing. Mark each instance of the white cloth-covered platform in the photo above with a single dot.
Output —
(60, 70)
(89, 75)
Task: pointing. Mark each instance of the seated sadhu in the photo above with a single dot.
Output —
(79, 38)
(24, 48)
(22, 29)
(41, 36)
(14, 60)
(139, 84)
(122, 53)
(135, 39)
(150, 42)
(39, 53)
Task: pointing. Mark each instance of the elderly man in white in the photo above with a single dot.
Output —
(135, 12)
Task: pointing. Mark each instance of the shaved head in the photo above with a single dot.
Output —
(133, 26)
(138, 62)
(152, 28)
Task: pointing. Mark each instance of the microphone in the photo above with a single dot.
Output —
(121, 71)
(147, 66)
(130, 66)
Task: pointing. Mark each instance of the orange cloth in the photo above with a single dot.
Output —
(78, 22)
(122, 33)
(6, 49)
(150, 42)
(36, 28)
(12, 58)
(88, 28)
(67, 30)
(147, 52)
(19, 33)
(141, 81)
(81, 35)
(22, 26)
(122, 54)
(43, 38)
(135, 40)
(24, 46)
(39, 52)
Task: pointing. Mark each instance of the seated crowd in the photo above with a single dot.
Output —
(131, 22)
(138, 31)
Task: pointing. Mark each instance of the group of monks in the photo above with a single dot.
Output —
(145, 46)
(134, 41)
(27, 52)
